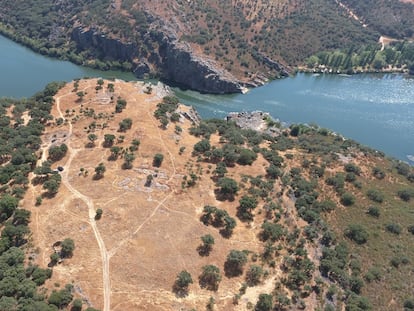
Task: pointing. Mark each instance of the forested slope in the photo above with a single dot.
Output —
(251, 40)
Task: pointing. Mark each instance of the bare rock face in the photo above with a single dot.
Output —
(91, 39)
(174, 61)
(181, 65)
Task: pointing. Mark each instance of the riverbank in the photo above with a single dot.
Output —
(329, 70)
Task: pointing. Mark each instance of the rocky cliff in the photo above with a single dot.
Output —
(181, 65)
(92, 39)
(173, 61)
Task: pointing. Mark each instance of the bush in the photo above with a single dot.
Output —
(246, 157)
(352, 168)
(396, 261)
(409, 304)
(202, 146)
(357, 233)
(347, 199)
(378, 173)
(393, 228)
(264, 303)
(406, 194)
(374, 211)
(373, 274)
(375, 195)
(254, 275)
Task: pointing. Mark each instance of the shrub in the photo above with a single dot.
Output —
(373, 211)
(393, 228)
(347, 199)
(352, 168)
(272, 231)
(373, 274)
(357, 233)
(378, 173)
(375, 195)
(405, 194)
(409, 304)
(254, 275)
(202, 146)
(396, 261)
(246, 157)
(264, 303)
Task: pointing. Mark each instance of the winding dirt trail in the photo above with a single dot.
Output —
(92, 212)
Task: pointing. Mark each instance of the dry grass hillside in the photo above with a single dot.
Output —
(146, 234)
(315, 220)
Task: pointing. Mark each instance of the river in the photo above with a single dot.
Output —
(376, 110)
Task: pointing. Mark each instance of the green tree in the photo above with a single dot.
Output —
(157, 160)
(182, 282)
(76, 305)
(99, 171)
(120, 105)
(57, 153)
(357, 233)
(246, 157)
(221, 170)
(8, 205)
(347, 199)
(265, 303)
(210, 277)
(202, 146)
(61, 298)
(234, 263)
(272, 231)
(52, 184)
(80, 95)
(98, 214)
(125, 124)
(246, 206)
(108, 140)
(67, 248)
(54, 258)
(115, 150)
(228, 187)
(92, 138)
(207, 245)
(253, 275)
(128, 159)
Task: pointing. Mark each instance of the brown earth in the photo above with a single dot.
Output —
(129, 259)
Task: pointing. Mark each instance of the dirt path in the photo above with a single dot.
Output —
(92, 212)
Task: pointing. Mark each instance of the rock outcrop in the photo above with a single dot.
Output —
(181, 65)
(92, 39)
(174, 61)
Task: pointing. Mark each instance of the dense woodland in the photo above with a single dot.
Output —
(398, 55)
(20, 280)
(241, 40)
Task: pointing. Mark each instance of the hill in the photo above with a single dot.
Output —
(167, 212)
(210, 46)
